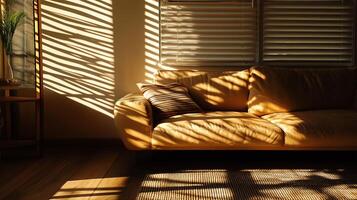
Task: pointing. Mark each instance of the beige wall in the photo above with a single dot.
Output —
(94, 53)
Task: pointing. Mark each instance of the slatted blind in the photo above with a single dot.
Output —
(308, 31)
(208, 32)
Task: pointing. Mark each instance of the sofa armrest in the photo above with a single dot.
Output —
(133, 121)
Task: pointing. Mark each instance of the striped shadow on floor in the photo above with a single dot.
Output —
(250, 184)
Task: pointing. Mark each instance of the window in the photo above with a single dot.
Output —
(208, 32)
(246, 32)
(315, 31)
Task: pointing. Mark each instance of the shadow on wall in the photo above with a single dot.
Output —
(79, 75)
(78, 52)
(152, 40)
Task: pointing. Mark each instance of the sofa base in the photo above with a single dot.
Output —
(253, 148)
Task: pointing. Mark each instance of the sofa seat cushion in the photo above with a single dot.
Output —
(323, 128)
(215, 130)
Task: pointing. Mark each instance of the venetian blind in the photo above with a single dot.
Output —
(308, 31)
(208, 32)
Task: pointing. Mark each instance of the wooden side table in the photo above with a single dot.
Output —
(7, 139)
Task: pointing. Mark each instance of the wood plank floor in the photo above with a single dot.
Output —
(68, 173)
(114, 173)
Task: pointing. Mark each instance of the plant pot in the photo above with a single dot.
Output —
(8, 74)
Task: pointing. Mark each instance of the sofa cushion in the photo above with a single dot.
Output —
(169, 100)
(215, 91)
(215, 130)
(284, 90)
(324, 128)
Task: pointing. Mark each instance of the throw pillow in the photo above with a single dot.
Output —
(169, 100)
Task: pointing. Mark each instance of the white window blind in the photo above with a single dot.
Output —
(208, 32)
(308, 31)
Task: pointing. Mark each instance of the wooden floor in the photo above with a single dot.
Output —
(67, 173)
(113, 173)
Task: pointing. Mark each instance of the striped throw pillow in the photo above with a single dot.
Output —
(169, 100)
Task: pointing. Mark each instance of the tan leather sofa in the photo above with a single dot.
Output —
(256, 108)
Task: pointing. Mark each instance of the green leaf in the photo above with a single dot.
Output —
(8, 24)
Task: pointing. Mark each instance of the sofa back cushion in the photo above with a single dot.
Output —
(275, 90)
(216, 91)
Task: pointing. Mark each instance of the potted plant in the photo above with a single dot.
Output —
(9, 21)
